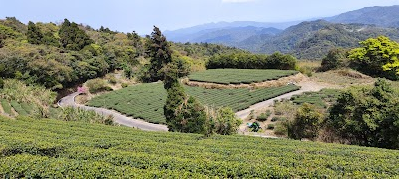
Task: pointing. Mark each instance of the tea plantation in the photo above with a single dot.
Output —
(320, 99)
(237, 76)
(19, 108)
(146, 101)
(57, 149)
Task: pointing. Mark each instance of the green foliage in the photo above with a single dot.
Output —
(82, 115)
(368, 117)
(32, 148)
(1, 83)
(237, 76)
(18, 108)
(6, 106)
(97, 85)
(37, 96)
(306, 124)
(146, 101)
(264, 116)
(72, 37)
(336, 58)
(175, 98)
(35, 35)
(222, 121)
(377, 57)
(252, 61)
(160, 54)
(270, 126)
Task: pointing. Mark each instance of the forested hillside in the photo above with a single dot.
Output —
(380, 16)
(61, 55)
(306, 40)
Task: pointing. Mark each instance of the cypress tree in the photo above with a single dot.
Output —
(72, 37)
(160, 54)
(34, 34)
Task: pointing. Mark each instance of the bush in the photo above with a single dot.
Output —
(367, 116)
(112, 80)
(264, 116)
(336, 58)
(124, 85)
(77, 114)
(97, 85)
(276, 118)
(270, 126)
(306, 124)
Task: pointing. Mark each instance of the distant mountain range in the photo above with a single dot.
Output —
(309, 39)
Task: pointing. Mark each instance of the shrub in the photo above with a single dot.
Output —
(306, 123)
(124, 85)
(97, 85)
(77, 114)
(336, 58)
(270, 126)
(112, 80)
(264, 116)
(276, 118)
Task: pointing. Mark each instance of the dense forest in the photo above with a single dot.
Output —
(62, 55)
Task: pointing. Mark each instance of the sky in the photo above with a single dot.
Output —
(141, 15)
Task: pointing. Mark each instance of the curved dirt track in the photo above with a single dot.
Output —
(306, 86)
(118, 117)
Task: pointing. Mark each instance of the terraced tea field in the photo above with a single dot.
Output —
(238, 76)
(14, 108)
(57, 149)
(146, 101)
(320, 99)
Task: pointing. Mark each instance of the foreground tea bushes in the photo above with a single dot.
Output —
(52, 148)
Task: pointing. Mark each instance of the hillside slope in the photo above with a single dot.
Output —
(57, 149)
(380, 16)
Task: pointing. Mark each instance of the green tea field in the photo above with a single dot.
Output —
(57, 149)
(19, 108)
(320, 99)
(237, 76)
(146, 101)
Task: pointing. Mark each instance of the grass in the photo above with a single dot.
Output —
(57, 149)
(320, 99)
(146, 101)
(238, 76)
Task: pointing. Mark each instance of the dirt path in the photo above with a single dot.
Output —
(118, 117)
(306, 86)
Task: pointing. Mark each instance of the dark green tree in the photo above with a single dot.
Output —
(335, 58)
(306, 124)
(72, 37)
(368, 117)
(34, 34)
(159, 53)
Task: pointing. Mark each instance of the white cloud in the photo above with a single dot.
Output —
(237, 1)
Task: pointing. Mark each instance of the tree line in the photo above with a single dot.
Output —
(252, 61)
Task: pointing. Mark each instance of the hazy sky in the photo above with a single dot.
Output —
(141, 15)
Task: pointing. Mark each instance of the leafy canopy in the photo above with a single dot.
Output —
(377, 57)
